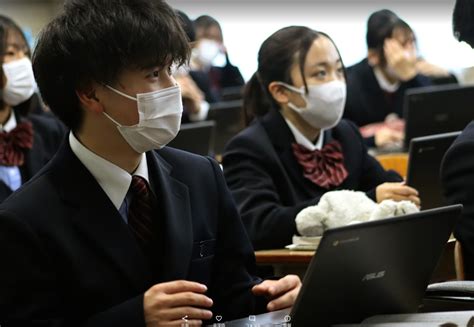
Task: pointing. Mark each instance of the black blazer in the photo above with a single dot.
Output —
(69, 259)
(366, 102)
(48, 133)
(457, 176)
(267, 181)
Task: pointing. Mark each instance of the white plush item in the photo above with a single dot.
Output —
(340, 208)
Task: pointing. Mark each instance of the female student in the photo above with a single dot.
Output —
(298, 148)
(27, 141)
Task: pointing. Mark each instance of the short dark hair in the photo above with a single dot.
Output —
(95, 41)
(275, 59)
(463, 21)
(380, 26)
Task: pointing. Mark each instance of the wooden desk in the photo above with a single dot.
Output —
(296, 262)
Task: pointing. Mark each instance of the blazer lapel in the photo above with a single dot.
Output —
(177, 222)
(98, 220)
(282, 138)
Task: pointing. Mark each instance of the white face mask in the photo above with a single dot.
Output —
(207, 51)
(20, 81)
(159, 119)
(324, 103)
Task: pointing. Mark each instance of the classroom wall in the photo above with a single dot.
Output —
(246, 24)
(31, 15)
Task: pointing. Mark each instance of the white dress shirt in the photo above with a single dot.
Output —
(385, 83)
(303, 140)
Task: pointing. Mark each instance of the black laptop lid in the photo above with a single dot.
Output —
(425, 155)
(437, 109)
(196, 138)
(378, 267)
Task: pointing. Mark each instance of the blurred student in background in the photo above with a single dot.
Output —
(298, 148)
(210, 57)
(195, 106)
(457, 168)
(377, 84)
(27, 139)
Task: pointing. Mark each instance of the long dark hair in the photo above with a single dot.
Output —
(8, 26)
(275, 59)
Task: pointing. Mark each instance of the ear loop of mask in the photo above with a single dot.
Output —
(120, 92)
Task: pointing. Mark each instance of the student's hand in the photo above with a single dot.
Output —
(175, 303)
(425, 68)
(401, 61)
(385, 137)
(190, 92)
(282, 293)
(396, 192)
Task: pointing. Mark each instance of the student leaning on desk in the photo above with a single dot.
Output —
(111, 232)
(298, 148)
(457, 170)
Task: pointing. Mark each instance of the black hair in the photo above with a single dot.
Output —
(188, 25)
(463, 21)
(275, 59)
(380, 26)
(95, 41)
(7, 27)
(204, 22)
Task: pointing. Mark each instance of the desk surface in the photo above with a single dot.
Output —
(283, 256)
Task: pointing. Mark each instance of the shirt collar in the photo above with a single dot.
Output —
(384, 83)
(10, 124)
(303, 140)
(114, 180)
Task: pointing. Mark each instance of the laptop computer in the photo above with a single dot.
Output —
(361, 270)
(424, 161)
(196, 138)
(437, 109)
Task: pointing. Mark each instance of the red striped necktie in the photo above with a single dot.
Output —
(14, 144)
(323, 167)
(140, 211)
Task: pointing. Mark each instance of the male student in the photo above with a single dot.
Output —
(457, 168)
(112, 233)
(377, 84)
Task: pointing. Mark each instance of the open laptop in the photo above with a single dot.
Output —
(437, 109)
(361, 270)
(196, 138)
(424, 161)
